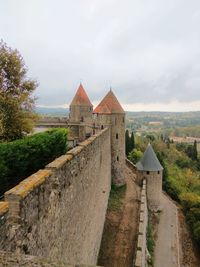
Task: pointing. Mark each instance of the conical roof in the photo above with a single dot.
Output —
(81, 98)
(149, 162)
(109, 105)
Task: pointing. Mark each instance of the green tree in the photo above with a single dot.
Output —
(151, 137)
(132, 141)
(195, 153)
(16, 101)
(191, 151)
(135, 155)
(127, 139)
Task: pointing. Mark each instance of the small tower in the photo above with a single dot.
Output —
(109, 113)
(149, 168)
(81, 108)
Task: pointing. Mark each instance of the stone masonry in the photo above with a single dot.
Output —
(59, 212)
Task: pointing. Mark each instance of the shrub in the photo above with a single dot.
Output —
(135, 155)
(21, 158)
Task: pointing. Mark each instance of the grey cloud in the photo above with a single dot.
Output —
(148, 51)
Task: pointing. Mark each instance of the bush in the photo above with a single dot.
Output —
(135, 155)
(21, 158)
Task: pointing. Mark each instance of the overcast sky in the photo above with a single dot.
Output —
(148, 51)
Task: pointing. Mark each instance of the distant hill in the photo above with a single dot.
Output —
(54, 112)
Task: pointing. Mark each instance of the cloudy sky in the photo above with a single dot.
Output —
(148, 51)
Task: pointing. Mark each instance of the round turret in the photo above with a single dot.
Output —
(149, 168)
(109, 113)
(81, 108)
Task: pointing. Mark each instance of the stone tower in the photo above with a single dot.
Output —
(109, 113)
(81, 108)
(149, 168)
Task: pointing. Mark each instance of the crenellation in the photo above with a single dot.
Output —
(59, 162)
(27, 185)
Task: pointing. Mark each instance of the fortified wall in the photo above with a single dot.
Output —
(141, 249)
(59, 212)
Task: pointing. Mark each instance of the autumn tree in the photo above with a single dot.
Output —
(16, 100)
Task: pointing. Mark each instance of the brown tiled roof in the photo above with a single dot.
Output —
(109, 105)
(81, 98)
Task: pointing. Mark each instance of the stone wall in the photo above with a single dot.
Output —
(140, 259)
(132, 166)
(59, 212)
(116, 122)
(154, 188)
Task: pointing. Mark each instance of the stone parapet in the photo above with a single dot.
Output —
(59, 212)
(140, 259)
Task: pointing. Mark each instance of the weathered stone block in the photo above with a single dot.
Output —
(59, 162)
(141, 216)
(142, 207)
(3, 207)
(75, 151)
(141, 228)
(138, 261)
(27, 185)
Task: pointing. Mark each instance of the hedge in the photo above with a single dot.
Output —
(21, 158)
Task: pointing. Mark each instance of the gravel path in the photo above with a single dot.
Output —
(167, 244)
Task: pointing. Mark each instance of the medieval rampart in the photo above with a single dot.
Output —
(140, 259)
(59, 212)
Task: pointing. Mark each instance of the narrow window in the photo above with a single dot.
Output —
(147, 172)
(101, 127)
(82, 119)
(123, 119)
(117, 136)
(158, 172)
(117, 158)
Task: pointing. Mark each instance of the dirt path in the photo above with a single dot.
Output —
(120, 232)
(167, 250)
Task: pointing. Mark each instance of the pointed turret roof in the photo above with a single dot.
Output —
(149, 162)
(81, 98)
(109, 105)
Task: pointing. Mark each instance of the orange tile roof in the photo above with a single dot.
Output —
(109, 105)
(81, 98)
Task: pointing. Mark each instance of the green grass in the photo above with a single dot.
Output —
(150, 236)
(116, 197)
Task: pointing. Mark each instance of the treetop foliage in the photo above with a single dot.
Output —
(28, 155)
(16, 100)
(130, 142)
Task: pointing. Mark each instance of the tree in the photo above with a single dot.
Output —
(151, 137)
(127, 139)
(191, 151)
(132, 141)
(195, 153)
(16, 101)
(135, 155)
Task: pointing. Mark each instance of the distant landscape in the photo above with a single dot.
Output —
(176, 124)
(54, 112)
